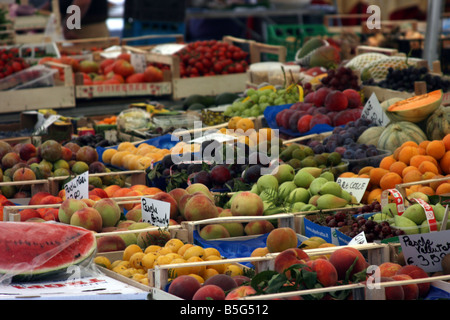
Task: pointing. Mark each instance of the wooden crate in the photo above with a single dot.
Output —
(214, 85)
(61, 95)
(86, 48)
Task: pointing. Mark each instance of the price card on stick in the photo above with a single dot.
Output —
(373, 111)
(78, 187)
(397, 198)
(155, 212)
(429, 213)
(138, 61)
(355, 186)
(426, 250)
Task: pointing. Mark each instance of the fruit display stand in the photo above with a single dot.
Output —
(216, 84)
(60, 95)
(154, 89)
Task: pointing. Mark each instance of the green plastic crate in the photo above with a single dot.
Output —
(292, 36)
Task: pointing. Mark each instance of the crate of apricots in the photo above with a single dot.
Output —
(421, 167)
(136, 263)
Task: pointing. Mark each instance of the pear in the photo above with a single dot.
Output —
(390, 210)
(419, 195)
(330, 201)
(405, 224)
(331, 187)
(439, 211)
(267, 182)
(415, 213)
(284, 172)
(316, 172)
(313, 200)
(327, 175)
(425, 227)
(379, 217)
(254, 189)
(298, 195)
(315, 186)
(303, 179)
(285, 189)
(298, 207)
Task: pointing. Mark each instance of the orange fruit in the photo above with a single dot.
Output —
(424, 144)
(374, 194)
(427, 190)
(386, 162)
(428, 166)
(376, 174)
(412, 176)
(446, 141)
(407, 153)
(410, 144)
(436, 149)
(233, 122)
(390, 180)
(245, 124)
(444, 188)
(445, 163)
(397, 167)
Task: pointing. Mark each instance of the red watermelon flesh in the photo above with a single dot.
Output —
(30, 249)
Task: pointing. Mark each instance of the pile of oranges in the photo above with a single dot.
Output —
(245, 131)
(410, 163)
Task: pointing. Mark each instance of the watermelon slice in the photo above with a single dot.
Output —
(30, 250)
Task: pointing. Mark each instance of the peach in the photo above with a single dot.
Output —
(5, 147)
(326, 272)
(214, 231)
(88, 218)
(343, 258)
(50, 150)
(87, 154)
(240, 292)
(109, 210)
(289, 257)
(51, 200)
(164, 196)
(37, 197)
(24, 174)
(177, 193)
(184, 287)
(247, 203)
(416, 272)
(27, 151)
(200, 207)
(388, 269)
(209, 292)
(89, 202)
(258, 227)
(28, 213)
(241, 279)
(99, 192)
(410, 291)
(110, 243)
(68, 207)
(125, 223)
(182, 203)
(134, 215)
(199, 187)
(280, 239)
(51, 214)
(394, 292)
(223, 281)
(10, 159)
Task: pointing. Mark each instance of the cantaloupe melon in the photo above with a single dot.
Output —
(416, 108)
(438, 123)
(397, 133)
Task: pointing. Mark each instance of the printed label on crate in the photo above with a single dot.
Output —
(426, 250)
(355, 186)
(429, 213)
(315, 230)
(397, 198)
(155, 212)
(138, 61)
(78, 187)
(372, 110)
(123, 89)
(360, 238)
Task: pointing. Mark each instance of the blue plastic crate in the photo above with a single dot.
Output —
(137, 28)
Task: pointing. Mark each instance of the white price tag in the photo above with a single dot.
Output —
(155, 212)
(78, 187)
(360, 238)
(372, 111)
(138, 61)
(355, 186)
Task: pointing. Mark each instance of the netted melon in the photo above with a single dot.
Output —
(371, 136)
(362, 60)
(438, 124)
(378, 69)
(397, 133)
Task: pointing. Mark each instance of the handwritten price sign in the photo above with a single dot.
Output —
(426, 250)
(78, 187)
(372, 110)
(355, 186)
(155, 212)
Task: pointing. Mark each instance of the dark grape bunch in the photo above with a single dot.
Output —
(404, 79)
(341, 79)
(356, 223)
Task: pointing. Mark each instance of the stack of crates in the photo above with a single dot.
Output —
(293, 36)
(153, 17)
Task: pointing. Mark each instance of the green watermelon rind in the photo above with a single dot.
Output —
(37, 273)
